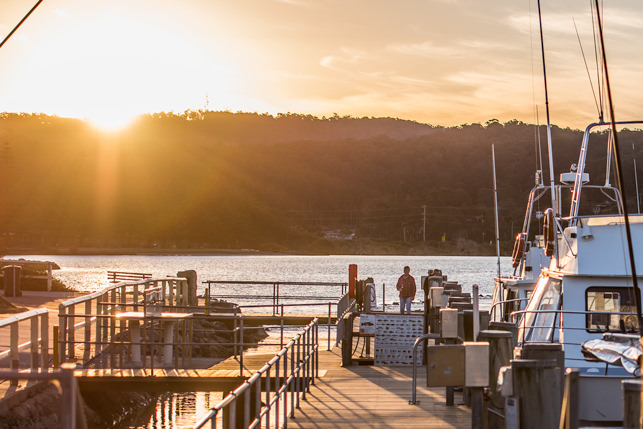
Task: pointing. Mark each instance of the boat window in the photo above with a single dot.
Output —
(606, 300)
(542, 313)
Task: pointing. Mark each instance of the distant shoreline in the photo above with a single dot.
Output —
(383, 249)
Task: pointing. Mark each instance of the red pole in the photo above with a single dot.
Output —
(352, 280)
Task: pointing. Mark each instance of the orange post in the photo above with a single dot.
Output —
(352, 280)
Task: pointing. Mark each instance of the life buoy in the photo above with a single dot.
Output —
(549, 232)
(519, 250)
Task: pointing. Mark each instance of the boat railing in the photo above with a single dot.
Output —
(295, 367)
(492, 311)
(554, 326)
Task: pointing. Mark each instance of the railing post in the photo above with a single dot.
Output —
(88, 331)
(384, 297)
(293, 381)
(241, 351)
(62, 323)
(112, 328)
(13, 351)
(299, 369)
(44, 341)
(274, 298)
(569, 412)
(268, 388)
(329, 315)
(71, 337)
(69, 396)
(56, 347)
(34, 343)
(281, 341)
(135, 296)
(235, 333)
(49, 276)
(309, 359)
(172, 298)
(278, 386)
(316, 350)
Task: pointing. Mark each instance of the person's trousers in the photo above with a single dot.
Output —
(405, 303)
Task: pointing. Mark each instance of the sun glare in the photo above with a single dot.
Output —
(109, 121)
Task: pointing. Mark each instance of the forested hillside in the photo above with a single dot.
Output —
(291, 183)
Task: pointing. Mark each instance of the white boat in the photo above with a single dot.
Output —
(512, 292)
(587, 290)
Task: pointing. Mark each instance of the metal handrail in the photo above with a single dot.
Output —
(39, 336)
(556, 323)
(22, 316)
(69, 390)
(276, 296)
(304, 371)
(493, 307)
(174, 291)
(419, 340)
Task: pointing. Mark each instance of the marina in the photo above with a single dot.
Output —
(208, 308)
(108, 373)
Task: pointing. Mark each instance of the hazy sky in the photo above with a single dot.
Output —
(443, 62)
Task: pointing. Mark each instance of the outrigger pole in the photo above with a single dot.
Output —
(20, 23)
(549, 144)
(495, 201)
(619, 178)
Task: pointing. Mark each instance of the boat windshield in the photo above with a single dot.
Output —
(539, 321)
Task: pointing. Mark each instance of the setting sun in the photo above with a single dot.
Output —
(110, 121)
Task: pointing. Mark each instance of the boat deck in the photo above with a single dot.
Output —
(375, 397)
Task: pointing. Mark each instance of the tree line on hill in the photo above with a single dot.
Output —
(206, 180)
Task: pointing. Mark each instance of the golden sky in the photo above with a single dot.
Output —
(443, 62)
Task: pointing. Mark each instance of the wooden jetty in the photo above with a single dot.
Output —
(375, 397)
(304, 384)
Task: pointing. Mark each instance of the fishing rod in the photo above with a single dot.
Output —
(20, 23)
(619, 177)
(549, 144)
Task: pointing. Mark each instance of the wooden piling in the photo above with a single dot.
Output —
(500, 353)
(632, 393)
(536, 383)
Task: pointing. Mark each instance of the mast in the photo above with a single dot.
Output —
(549, 145)
(619, 178)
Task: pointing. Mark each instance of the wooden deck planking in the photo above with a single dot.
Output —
(375, 397)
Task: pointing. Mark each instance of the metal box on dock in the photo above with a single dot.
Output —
(476, 364)
(448, 323)
(445, 365)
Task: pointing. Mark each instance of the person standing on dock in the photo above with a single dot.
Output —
(406, 286)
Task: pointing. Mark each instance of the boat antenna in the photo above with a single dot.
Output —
(20, 23)
(591, 84)
(619, 176)
(495, 205)
(549, 145)
(540, 150)
(599, 70)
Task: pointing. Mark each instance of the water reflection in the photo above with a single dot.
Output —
(178, 410)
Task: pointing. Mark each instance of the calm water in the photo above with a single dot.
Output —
(89, 273)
